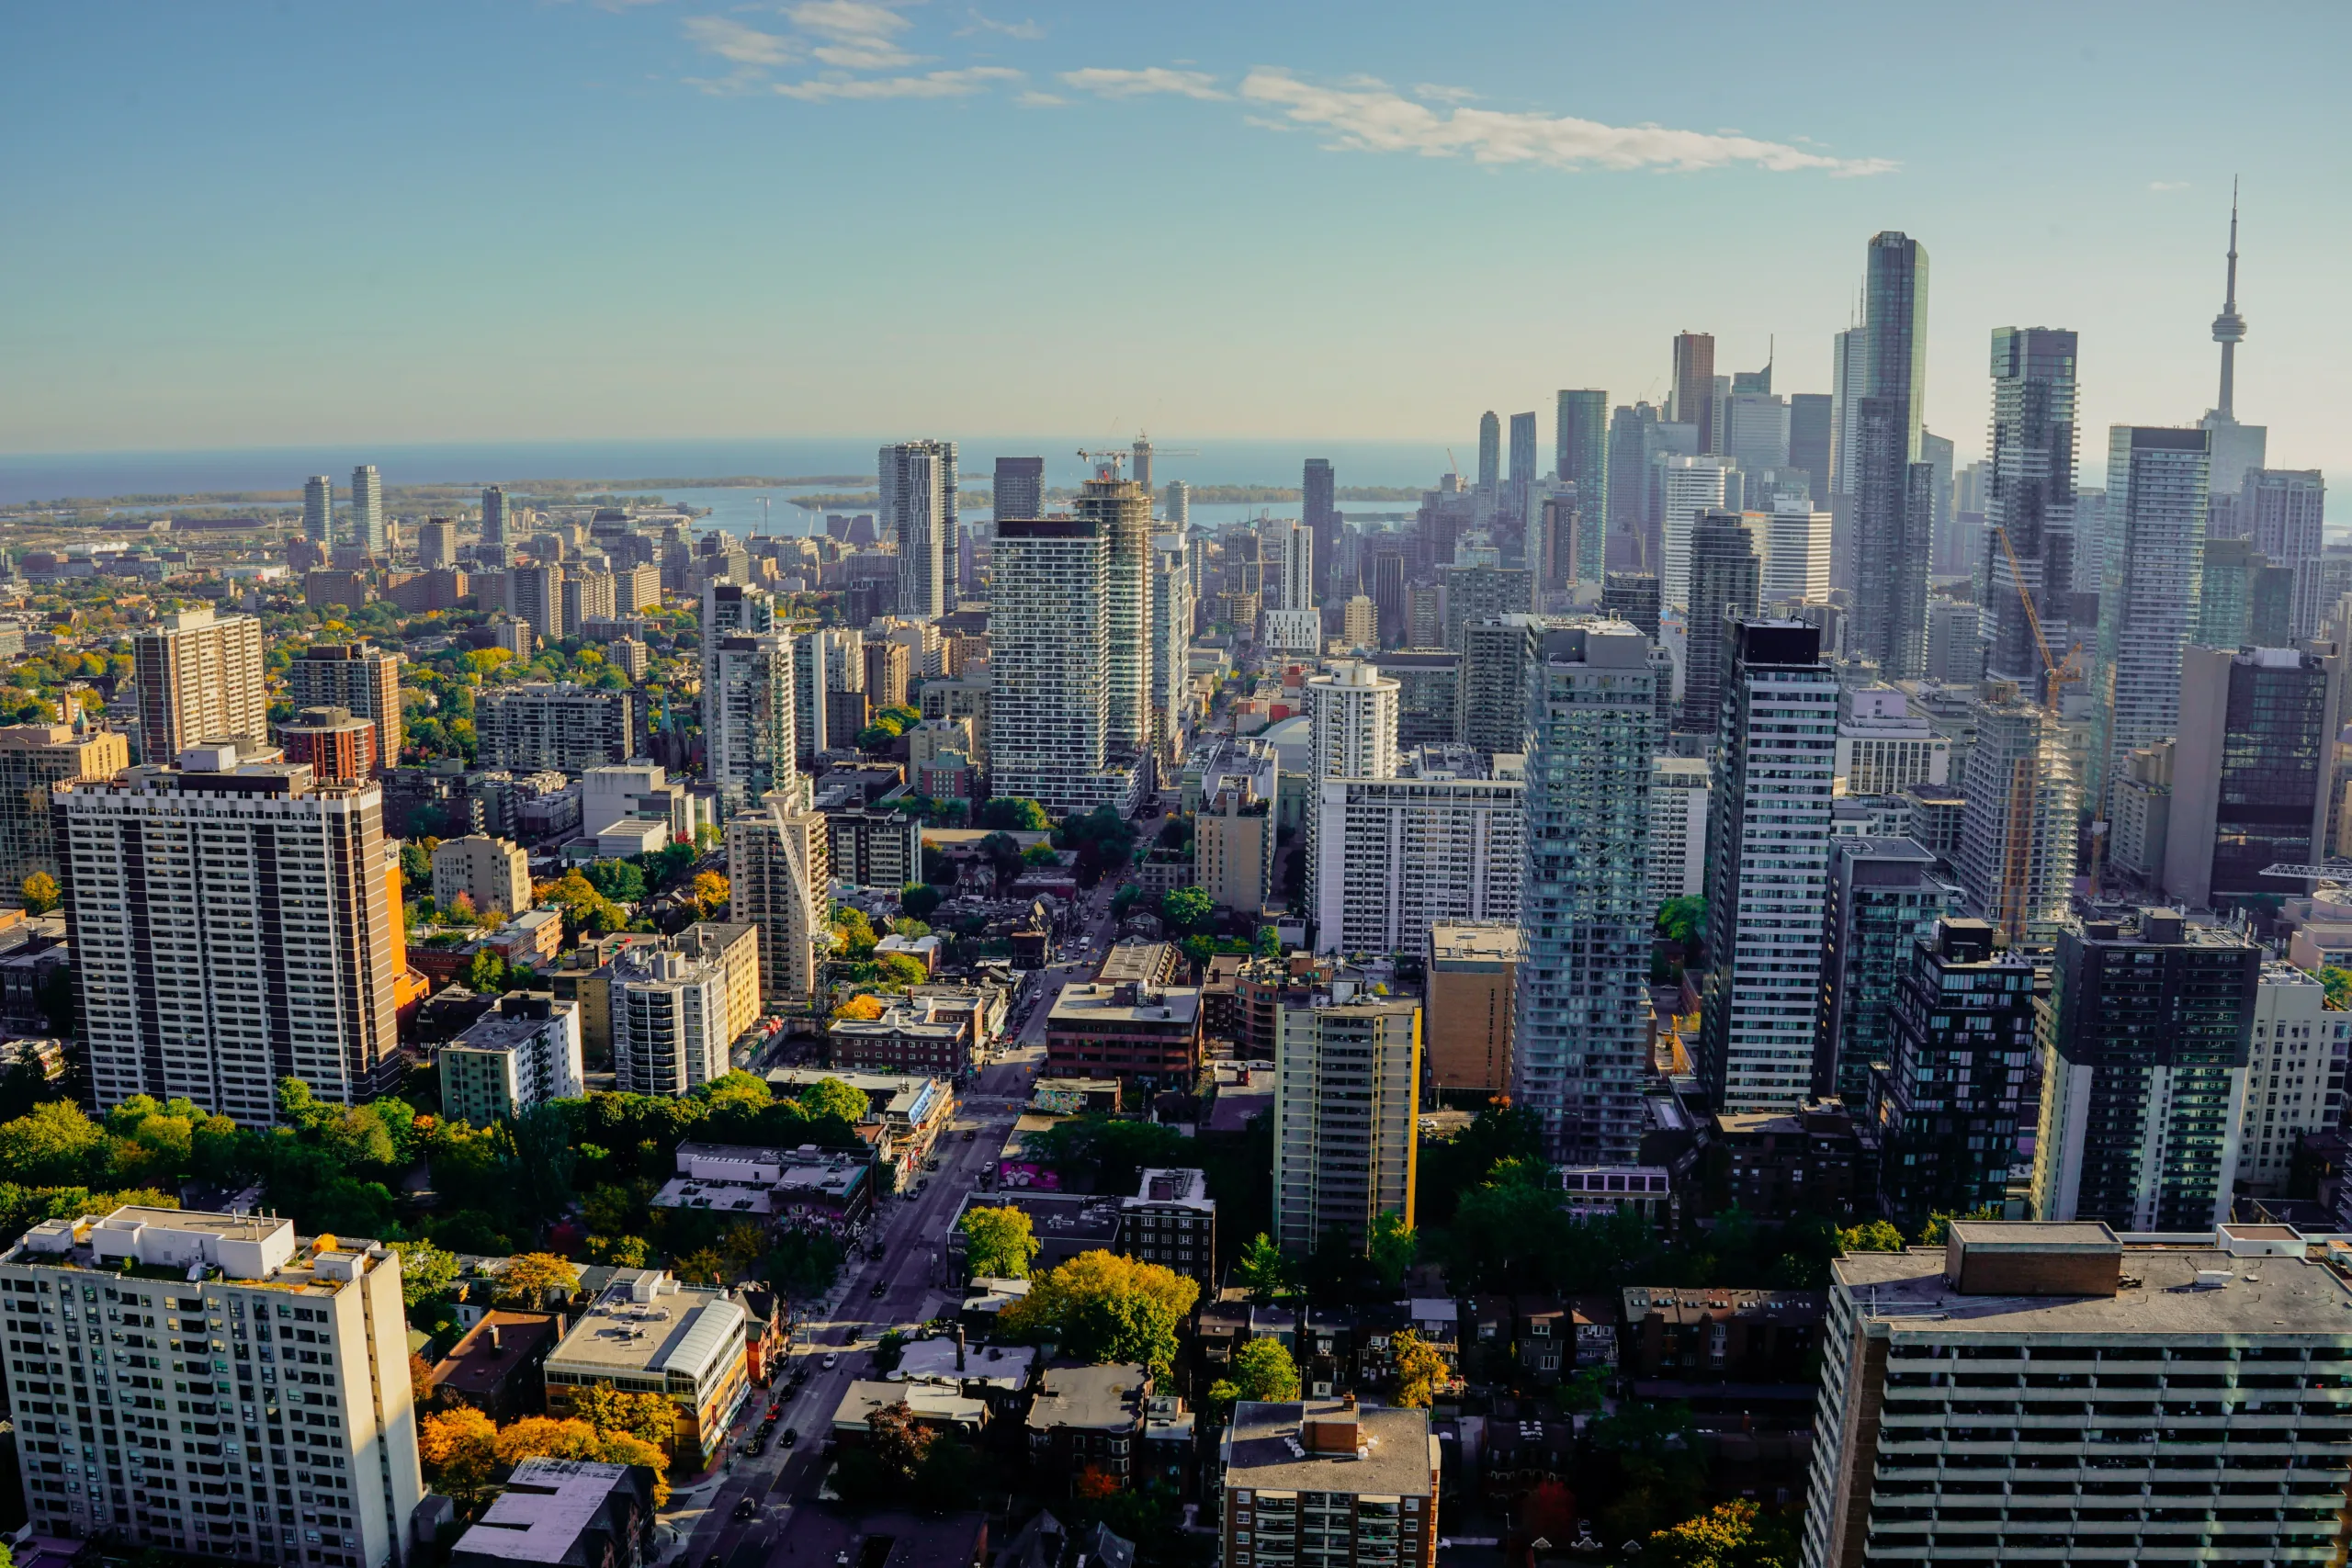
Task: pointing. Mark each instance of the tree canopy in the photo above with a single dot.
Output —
(999, 1243)
(1102, 1308)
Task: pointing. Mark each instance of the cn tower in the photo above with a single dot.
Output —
(2229, 327)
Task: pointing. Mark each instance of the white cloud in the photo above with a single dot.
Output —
(2168, 184)
(1036, 100)
(1445, 95)
(1028, 31)
(1385, 122)
(730, 39)
(931, 85)
(1107, 83)
(858, 35)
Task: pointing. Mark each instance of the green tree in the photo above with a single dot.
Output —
(918, 899)
(416, 866)
(1186, 909)
(900, 969)
(1393, 1246)
(1102, 1308)
(1263, 1371)
(999, 1243)
(1419, 1369)
(617, 880)
(1939, 1223)
(527, 1278)
(1737, 1534)
(1015, 813)
(53, 1146)
(427, 1271)
(1264, 1270)
(1877, 1236)
(832, 1097)
(40, 893)
(2338, 985)
(1683, 919)
(484, 974)
(650, 1417)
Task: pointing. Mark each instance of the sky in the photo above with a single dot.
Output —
(241, 224)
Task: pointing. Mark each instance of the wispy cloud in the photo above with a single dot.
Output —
(1105, 82)
(931, 85)
(1036, 100)
(2168, 184)
(856, 36)
(1026, 31)
(1370, 121)
(731, 39)
(1443, 95)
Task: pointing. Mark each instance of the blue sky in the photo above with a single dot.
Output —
(240, 224)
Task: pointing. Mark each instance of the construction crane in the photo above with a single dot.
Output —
(2056, 674)
(1145, 452)
(2331, 870)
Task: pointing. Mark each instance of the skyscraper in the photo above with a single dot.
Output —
(493, 515)
(1884, 896)
(1581, 456)
(918, 511)
(1694, 386)
(1724, 577)
(1347, 1080)
(2253, 771)
(1177, 503)
(1894, 505)
(1019, 488)
(2023, 788)
(1319, 510)
(232, 925)
(1520, 492)
(778, 877)
(1172, 640)
(368, 509)
(2156, 544)
(2144, 1072)
(1050, 662)
(1579, 1046)
(199, 677)
(1351, 734)
(358, 676)
(1809, 428)
(2030, 503)
(2282, 510)
(1632, 596)
(1628, 498)
(1122, 507)
(318, 509)
(750, 708)
(1490, 458)
(1768, 831)
(1693, 487)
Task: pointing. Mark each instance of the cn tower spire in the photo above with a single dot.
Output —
(2229, 327)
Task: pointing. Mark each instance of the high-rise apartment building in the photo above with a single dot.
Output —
(494, 515)
(1472, 986)
(1883, 747)
(2144, 1070)
(1690, 488)
(2022, 787)
(1964, 1012)
(1428, 695)
(1347, 1078)
(2156, 544)
(318, 510)
(1319, 510)
(1176, 505)
(1351, 734)
(1495, 653)
(336, 744)
(2295, 1067)
(1122, 508)
(207, 1310)
(232, 925)
(368, 522)
(493, 874)
(1049, 732)
(1396, 856)
(2029, 503)
(1633, 597)
(2160, 1401)
(1885, 896)
(1767, 833)
(1490, 462)
(1581, 453)
(587, 593)
(33, 757)
(200, 676)
(549, 724)
(535, 597)
(778, 873)
(751, 715)
(1171, 643)
(522, 1053)
(1519, 490)
(2242, 599)
(1579, 1052)
(1019, 488)
(670, 1018)
(1344, 1483)
(1724, 575)
(436, 544)
(1628, 503)
(1288, 550)
(1809, 427)
(2282, 510)
(1678, 858)
(1791, 551)
(353, 675)
(2253, 771)
(1894, 506)
(918, 511)
(1694, 386)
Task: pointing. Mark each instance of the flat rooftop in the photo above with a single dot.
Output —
(2266, 1297)
(473, 1367)
(645, 1324)
(1488, 943)
(540, 1514)
(1106, 1398)
(1190, 1188)
(1090, 1004)
(1055, 1216)
(933, 1361)
(1265, 1451)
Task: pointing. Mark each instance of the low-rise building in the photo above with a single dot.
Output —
(575, 1513)
(1149, 1035)
(1594, 1191)
(914, 1036)
(1711, 1334)
(1171, 1219)
(525, 1053)
(1323, 1481)
(646, 1333)
(1807, 1160)
(1088, 1421)
(802, 1189)
(1065, 1224)
(871, 847)
(934, 1405)
(497, 1367)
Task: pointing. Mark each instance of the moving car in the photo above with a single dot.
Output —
(791, 1436)
(748, 1508)
(881, 1287)
(832, 1361)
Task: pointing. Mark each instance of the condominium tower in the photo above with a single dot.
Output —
(1347, 1074)
(1893, 504)
(1579, 1045)
(1048, 729)
(33, 757)
(368, 522)
(353, 675)
(918, 511)
(199, 677)
(2029, 505)
(2154, 534)
(1120, 509)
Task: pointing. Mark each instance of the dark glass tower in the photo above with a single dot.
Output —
(1894, 510)
(2029, 502)
(1724, 583)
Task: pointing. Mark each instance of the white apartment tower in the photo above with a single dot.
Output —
(670, 1019)
(167, 1366)
(750, 709)
(1351, 734)
(1289, 547)
(1049, 661)
(1172, 642)
(232, 926)
(1396, 856)
(318, 509)
(1122, 508)
(918, 511)
(1791, 550)
(1347, 1072)
(1677, 828)
(1882, 747)
(368, 529)
(1691, 487)
(199, 677)
(1579, 1031)
(2294, 1080)
(1767, 866)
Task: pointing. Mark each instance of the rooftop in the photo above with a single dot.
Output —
(1488, 942)
(1054, 1216)
(1267, 1449)
(933, 1361)
(546, 1506)
(187, 1245)
(512, 1024)
(934, 1402)
(645, 1323)
(1092, 1003)
(1098, 1398)
(474, 1367)
(1190, 1188)
(2168, 1289)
